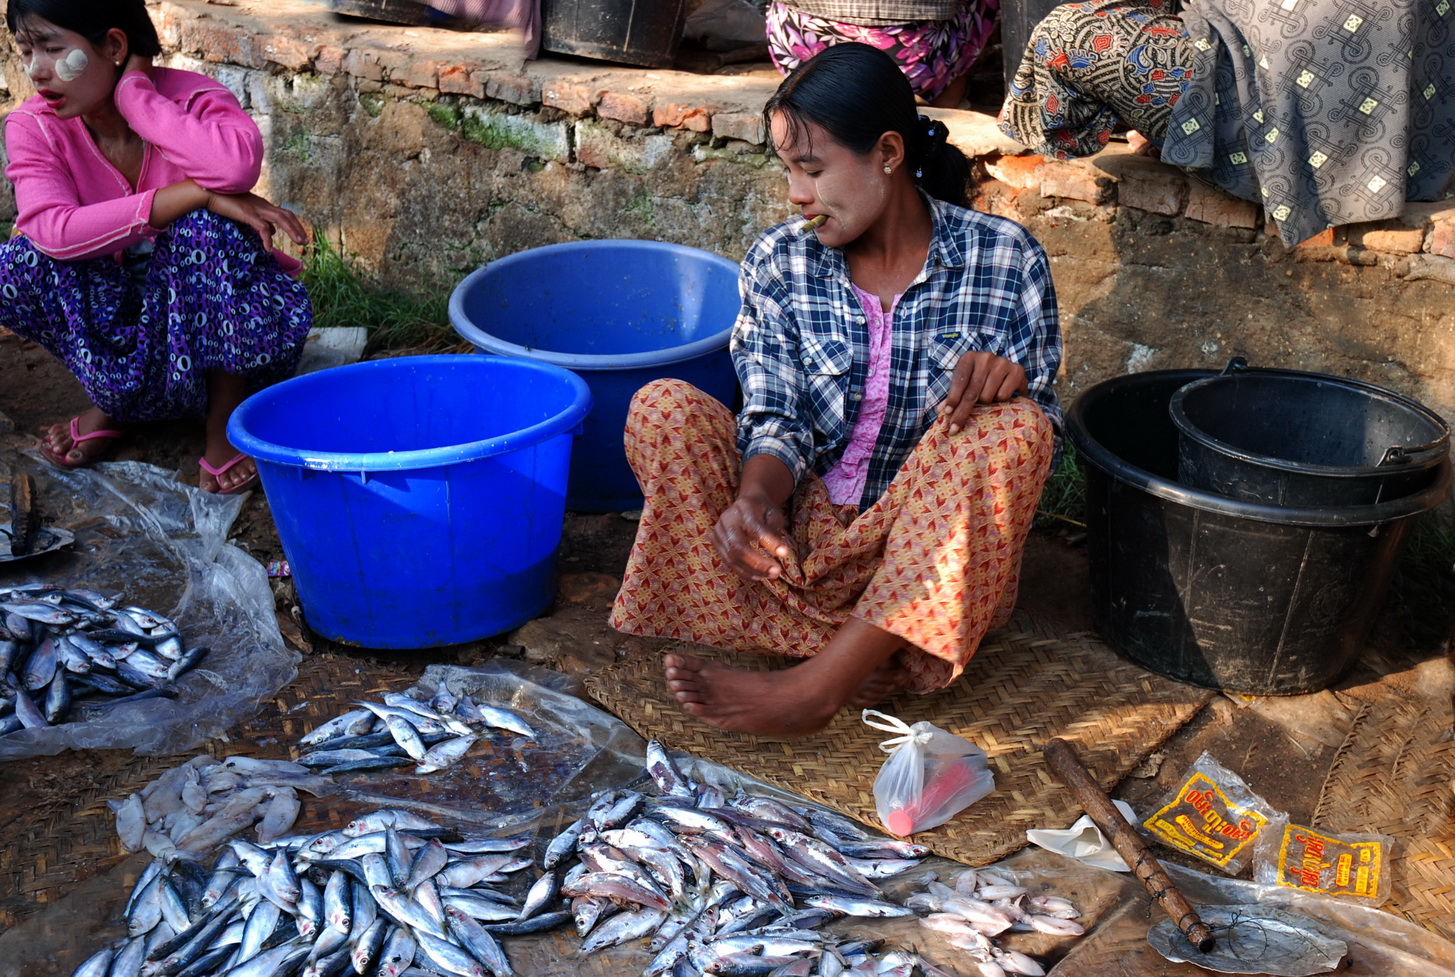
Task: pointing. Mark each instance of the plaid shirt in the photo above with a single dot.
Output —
(801, 343)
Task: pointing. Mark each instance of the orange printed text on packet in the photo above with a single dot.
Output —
(1201, 821)
(1321, 863)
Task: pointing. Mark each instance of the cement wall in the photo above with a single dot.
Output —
(426, 153)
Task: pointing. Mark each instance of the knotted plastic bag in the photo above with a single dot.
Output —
(930, 775)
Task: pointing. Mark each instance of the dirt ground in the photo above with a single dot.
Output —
(1288, 743)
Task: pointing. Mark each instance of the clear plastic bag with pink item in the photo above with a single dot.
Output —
(930, 776)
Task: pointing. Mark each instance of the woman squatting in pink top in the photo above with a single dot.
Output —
(142, 261)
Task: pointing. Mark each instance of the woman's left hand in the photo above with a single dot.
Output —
(262, 216)
(981, 377)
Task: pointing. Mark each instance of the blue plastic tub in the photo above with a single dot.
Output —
(620, 313)
(419, 500)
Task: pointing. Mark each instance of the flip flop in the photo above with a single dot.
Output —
(245, 484)
(78, 438)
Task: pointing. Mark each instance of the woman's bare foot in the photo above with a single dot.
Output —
(794, 701)
(231, 471)
(776, 703)
(883, 682)
(237, 476)
(77, 443)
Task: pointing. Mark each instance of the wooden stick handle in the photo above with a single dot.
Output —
(1124, 838)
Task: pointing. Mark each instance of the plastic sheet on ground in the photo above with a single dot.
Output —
(507, 781)
(591, 750)
(160, 545)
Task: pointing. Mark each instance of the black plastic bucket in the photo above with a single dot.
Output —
(1286, 437)
(641, 32)
(1233, 595)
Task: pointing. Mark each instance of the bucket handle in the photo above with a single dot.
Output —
(1400, 455)
(1236, 363)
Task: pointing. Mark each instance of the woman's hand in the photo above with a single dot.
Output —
(981, 377)
(264, 217)
(749, 537)
(135, 62)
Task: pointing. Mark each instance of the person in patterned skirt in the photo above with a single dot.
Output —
(867, 508)
(935, 42)
(1324, 112)
(142, 260)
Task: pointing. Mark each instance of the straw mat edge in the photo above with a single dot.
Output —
(1026, 684)
(1395, 775)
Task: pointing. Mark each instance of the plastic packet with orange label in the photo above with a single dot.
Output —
(1351, 866)
(1214, 816)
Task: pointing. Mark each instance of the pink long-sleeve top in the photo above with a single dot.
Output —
(73, 204)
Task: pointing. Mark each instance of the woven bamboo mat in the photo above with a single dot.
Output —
(50, 848)
(1395, 775)
(1026, 684)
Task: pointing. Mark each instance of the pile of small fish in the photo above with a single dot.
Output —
(389, 893)
(191, 809)
(980, 906)
(403, 730)
(60, 648)
(722, 885)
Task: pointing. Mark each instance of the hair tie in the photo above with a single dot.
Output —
(934, 134)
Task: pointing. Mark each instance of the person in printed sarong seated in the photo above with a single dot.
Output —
(867, 509)
(1323, 112)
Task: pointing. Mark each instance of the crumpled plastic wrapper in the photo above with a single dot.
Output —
(1084, 841)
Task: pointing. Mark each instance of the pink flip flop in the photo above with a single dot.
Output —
(78, 438)
(245, 484)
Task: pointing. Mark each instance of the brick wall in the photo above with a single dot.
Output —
(426, 153)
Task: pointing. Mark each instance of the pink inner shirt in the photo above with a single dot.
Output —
(846, 479)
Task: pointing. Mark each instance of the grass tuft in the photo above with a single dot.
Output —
(396, 319)
(1063, 500)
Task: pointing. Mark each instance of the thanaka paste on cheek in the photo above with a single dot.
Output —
(70, 67)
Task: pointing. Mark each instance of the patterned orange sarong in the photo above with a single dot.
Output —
(936, 560)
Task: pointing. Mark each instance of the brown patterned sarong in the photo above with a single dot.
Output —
(936, 560)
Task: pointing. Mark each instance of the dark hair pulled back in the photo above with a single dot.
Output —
(92, 19)
(856, 93)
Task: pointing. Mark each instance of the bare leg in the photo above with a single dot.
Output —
(224, 392)
(954, 94)
(793, 701)
(64, 450)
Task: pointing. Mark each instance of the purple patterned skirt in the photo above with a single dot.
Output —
(932, 53)
(213, 299)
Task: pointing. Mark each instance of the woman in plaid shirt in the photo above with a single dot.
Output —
(867, 508)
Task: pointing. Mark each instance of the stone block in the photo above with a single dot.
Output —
(1442, 239)
(577, 100)
(1074, 180)
(515, 89)
(418, 74)
(329, 61)
(1146, 184)
(1387, 236)
(291, 54)
(1211, 205)
(747, 126)
(458, 79)
(1021, 172)
(624, 107)
(682, 115)
(363, 64)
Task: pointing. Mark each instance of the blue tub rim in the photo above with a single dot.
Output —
(1092, 451)
(566, 421)
(486, 343)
